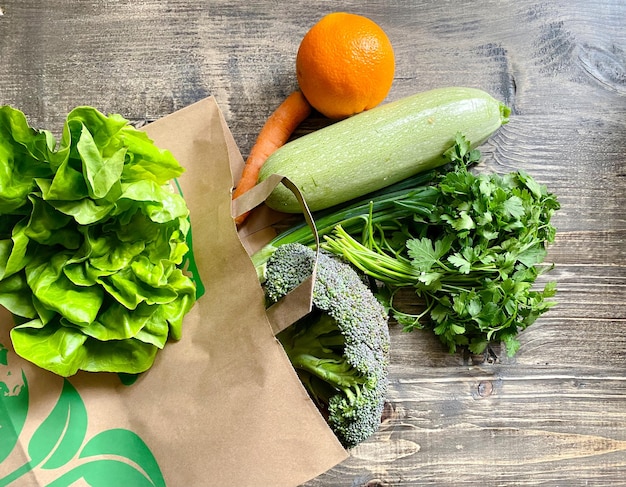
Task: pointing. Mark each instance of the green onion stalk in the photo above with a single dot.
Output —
(381, 212)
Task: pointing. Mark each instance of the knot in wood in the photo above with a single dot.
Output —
(485, 388)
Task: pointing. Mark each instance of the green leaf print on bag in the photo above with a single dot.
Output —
(112, 473)
(61, 434)
(13, 406)
(111, 458)
(104, 473)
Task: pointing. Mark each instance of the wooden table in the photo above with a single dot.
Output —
(555, 414)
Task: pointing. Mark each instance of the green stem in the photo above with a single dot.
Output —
(387, 269)
(430, 304)
(383, 208)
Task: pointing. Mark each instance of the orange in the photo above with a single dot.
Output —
(345, 65)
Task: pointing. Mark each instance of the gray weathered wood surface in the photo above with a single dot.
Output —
(555, 414)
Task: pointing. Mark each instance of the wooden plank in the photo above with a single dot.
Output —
(553, 415)
(497, 427)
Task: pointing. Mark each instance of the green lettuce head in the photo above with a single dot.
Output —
(92, 241)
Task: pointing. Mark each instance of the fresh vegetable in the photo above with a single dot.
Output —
(276, 131)
(469, 244)
(381, 146)
(91, 242)
(341, 349)
(473, 260)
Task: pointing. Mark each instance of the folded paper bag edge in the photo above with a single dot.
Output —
(299, 302)
(302, 300)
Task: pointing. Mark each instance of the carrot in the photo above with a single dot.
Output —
(274, 134)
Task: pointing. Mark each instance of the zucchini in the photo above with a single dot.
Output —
(381, 146)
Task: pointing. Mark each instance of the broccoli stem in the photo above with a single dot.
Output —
(316, 346)
(335, 371)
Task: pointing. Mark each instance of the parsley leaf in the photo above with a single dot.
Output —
(424, 252)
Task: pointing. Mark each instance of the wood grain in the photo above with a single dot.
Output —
(553, 415)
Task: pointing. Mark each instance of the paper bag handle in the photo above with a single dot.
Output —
(299, 302)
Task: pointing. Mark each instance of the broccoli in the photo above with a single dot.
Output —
(341, 349)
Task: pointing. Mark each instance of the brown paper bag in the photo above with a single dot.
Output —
(221, 407)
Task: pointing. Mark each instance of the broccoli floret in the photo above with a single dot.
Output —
(341, 349)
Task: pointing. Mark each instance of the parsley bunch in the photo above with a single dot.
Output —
(473, 259)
